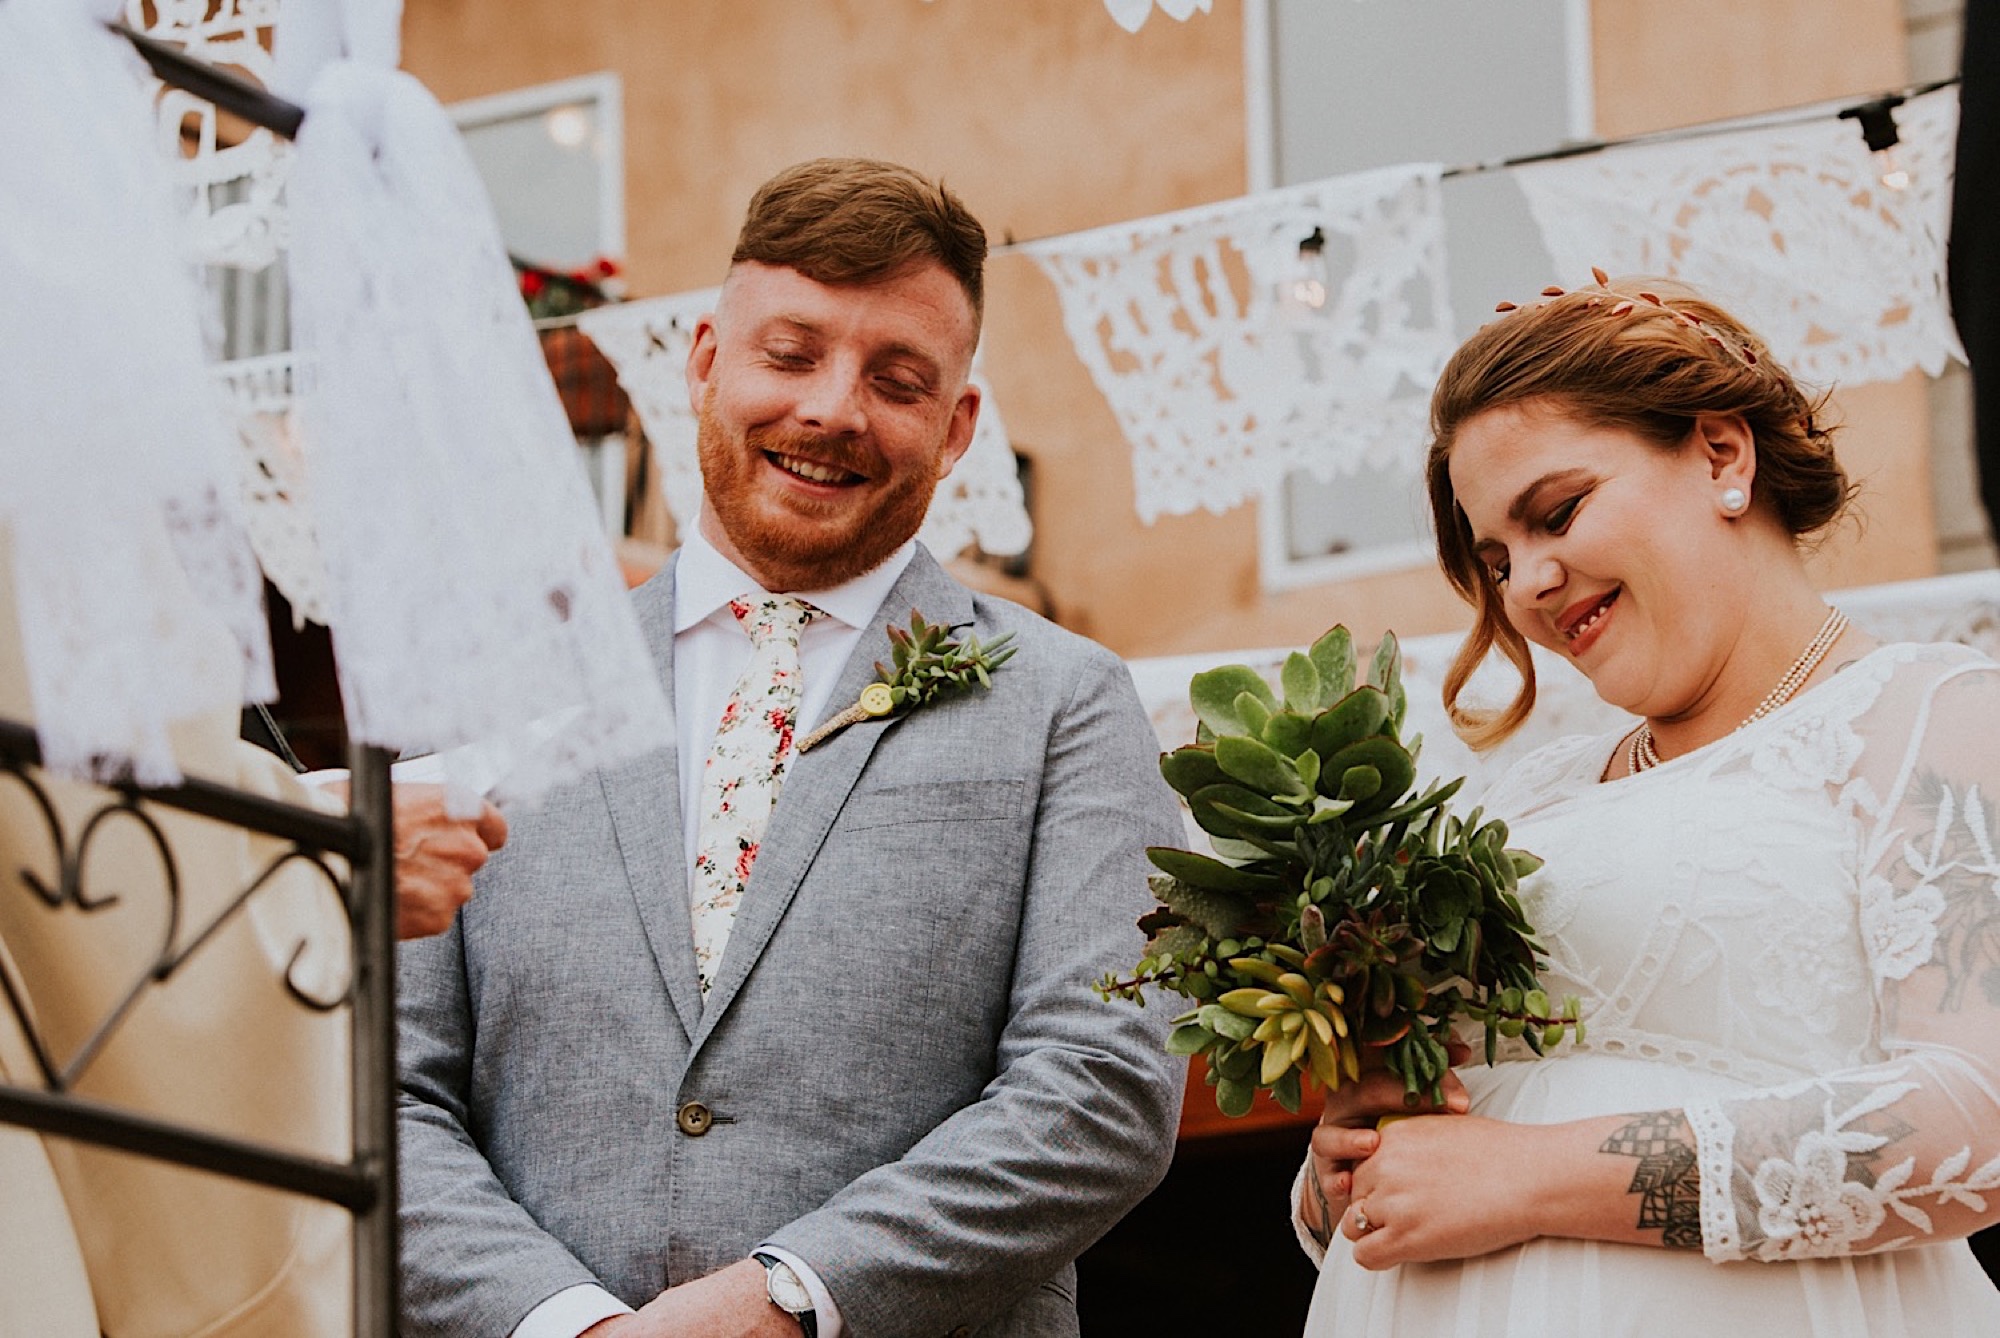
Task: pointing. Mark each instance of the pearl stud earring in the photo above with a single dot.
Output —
(1734, 501)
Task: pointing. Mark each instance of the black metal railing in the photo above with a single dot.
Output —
(365, 1184)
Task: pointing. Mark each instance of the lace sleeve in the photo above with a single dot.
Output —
(1905, 1150)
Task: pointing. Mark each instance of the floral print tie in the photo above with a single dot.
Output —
(745, 768)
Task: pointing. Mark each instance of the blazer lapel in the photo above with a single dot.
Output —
(818, 782)
(644, 796)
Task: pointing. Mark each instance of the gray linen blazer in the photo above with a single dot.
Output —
(912, 1086)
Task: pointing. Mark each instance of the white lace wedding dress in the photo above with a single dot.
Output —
(1793, 935)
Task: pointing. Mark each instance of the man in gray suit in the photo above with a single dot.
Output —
(870, 1092)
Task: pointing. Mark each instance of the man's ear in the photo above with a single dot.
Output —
(701, 361)
(1730, 449)
(958, 437)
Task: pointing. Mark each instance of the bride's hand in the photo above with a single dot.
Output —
(1346, 1134)
(1445, 1189)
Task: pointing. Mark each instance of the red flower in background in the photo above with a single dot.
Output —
(553, 292)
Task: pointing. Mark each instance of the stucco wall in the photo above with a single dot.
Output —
(1042, 114)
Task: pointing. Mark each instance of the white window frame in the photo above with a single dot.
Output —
(1278, 570)
(607, 91)
(603, 459)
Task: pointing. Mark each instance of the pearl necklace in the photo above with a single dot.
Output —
(1641, 755)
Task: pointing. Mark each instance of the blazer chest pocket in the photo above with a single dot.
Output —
(924, 803)
(932, 873)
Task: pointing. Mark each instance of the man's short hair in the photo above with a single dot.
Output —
(859, 220)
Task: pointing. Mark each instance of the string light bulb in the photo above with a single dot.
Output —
(568, 125)
(1877, 120)
(1307, 286)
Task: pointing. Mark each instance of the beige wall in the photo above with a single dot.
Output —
(1047, 117)
(1675, 63)
(1030, 109)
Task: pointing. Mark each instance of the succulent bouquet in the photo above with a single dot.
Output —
(1342, 913)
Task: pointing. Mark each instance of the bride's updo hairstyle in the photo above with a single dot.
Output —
(1643, 355)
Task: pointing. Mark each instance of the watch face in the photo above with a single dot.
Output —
(787, 1292)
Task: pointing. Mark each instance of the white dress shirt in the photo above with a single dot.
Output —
(710, 650)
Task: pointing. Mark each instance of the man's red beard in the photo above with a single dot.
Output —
(803, 543)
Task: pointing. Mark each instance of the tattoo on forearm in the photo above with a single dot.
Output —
(1668, 1182)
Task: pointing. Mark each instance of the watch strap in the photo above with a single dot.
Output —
(808, 1321)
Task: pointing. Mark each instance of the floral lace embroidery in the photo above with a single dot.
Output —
(1807, 753)
(1530, 780)
(1900, 924)
(1900, 928)
(1806, 1207)
(1799, 969)
(1812, 1204)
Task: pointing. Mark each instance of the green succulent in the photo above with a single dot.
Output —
(929, 662)
(1343, 910)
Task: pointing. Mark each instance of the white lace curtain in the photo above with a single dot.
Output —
(1791, 227)
(120, 489)
(232, 198)
(277, 510)
(472, 598)
(231, 194)
(647, 343)
(1221, 384)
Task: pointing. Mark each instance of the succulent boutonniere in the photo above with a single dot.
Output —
(928, 665)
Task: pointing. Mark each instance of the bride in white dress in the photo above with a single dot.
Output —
(1778, 896)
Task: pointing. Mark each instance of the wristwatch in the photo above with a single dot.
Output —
(787, 1293)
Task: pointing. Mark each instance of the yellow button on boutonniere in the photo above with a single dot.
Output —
(928, 665)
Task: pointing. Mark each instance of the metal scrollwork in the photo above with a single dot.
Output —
(352, 855)
(71, 890)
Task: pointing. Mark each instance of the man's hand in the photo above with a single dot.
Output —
(436, 855)
(731, 1303)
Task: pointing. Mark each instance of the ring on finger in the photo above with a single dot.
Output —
(1362, 1225)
